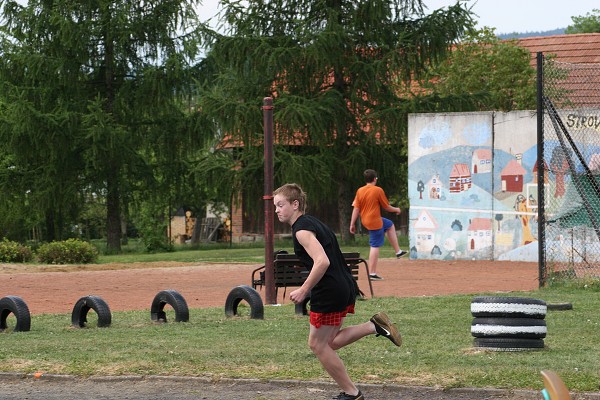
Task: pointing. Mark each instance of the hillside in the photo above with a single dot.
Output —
(518, 35)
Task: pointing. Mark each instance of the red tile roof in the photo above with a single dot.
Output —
(574, 48)
(579, 56)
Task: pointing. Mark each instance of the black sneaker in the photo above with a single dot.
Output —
(375, 277)
(401, 253)
(345, 396)
(385, 327)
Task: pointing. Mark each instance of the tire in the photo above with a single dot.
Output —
(246, 293)
(83, 306)
(560, 306)
(175, 300)
(18, 307)
(508, 307)
(522, 328)
(508, 344)
(302, 308)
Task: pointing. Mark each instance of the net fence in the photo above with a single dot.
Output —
(570, 185)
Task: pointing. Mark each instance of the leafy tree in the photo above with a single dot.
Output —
(93, 99)
(420, 189)
(338, 72)
(486, 73)
(590, 23)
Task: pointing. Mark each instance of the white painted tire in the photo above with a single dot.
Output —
(521, 328)
(508, 344)
(508, 307)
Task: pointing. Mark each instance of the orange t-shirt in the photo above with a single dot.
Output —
(369, 200)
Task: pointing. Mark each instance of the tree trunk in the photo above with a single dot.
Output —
(345, 197)
(113, 213)
(50, 227)
(124, 219)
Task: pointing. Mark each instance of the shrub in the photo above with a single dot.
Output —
(13, 252)
(70, 251)
(152, 228)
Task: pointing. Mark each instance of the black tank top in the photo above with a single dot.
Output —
(337, 289)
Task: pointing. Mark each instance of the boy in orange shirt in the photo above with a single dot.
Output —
(368, 202)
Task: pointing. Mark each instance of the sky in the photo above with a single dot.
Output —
(507, 16)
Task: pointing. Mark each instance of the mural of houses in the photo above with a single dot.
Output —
(512, 177)
(460, 178)
(481, 162)
(535, 172)
(479, 233)
(425, 227)
(435, 187)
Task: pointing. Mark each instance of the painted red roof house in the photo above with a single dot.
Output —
(512, 177)
(479, 233)
(535, 172)
(460, 178)
(481, 161)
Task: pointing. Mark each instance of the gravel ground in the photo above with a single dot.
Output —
(55, 387)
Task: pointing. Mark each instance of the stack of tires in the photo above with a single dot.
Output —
(508, 323)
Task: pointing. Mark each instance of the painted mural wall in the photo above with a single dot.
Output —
(473, 186)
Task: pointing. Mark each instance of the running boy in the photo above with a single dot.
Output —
(368, 202)
(331, 288)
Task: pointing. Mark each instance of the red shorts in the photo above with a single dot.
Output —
(333, 318)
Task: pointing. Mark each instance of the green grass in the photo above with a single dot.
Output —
(437, 349)
(222, 252)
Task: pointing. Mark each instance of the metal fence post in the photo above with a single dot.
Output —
(267, 108)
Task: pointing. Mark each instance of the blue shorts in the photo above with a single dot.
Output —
(376, 237)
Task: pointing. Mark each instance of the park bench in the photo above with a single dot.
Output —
(289, 272)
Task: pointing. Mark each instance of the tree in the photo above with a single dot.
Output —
(420, 189)
(499, 218)
(485, 73)
(337, 70)
(590, 23)
(559, 166)
(93, 97)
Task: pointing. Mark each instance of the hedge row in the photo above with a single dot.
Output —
(71, 251)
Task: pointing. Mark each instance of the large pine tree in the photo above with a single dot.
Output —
(91, 100)
(338, 71)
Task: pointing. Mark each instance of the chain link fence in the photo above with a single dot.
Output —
(569, 188)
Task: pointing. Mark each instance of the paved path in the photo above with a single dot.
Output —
(56, 387)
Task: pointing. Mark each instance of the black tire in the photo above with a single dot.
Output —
(523, 328)
(18, 307)
(248, 294)
(560, 306)
(508, 307)
(302, 308)
(84, 305)
(175, 300)
(508, 344)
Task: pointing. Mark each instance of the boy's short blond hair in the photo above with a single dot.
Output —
(292, 191)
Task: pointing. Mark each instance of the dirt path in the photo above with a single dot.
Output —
(56, 289)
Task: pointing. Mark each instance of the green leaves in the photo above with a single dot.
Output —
(336, 72)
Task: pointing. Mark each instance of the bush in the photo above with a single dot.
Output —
(13, 252)
(70, 251)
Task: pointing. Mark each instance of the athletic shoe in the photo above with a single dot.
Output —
(345, 396)
(385, 327)
(401, 253)
(375, 277)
